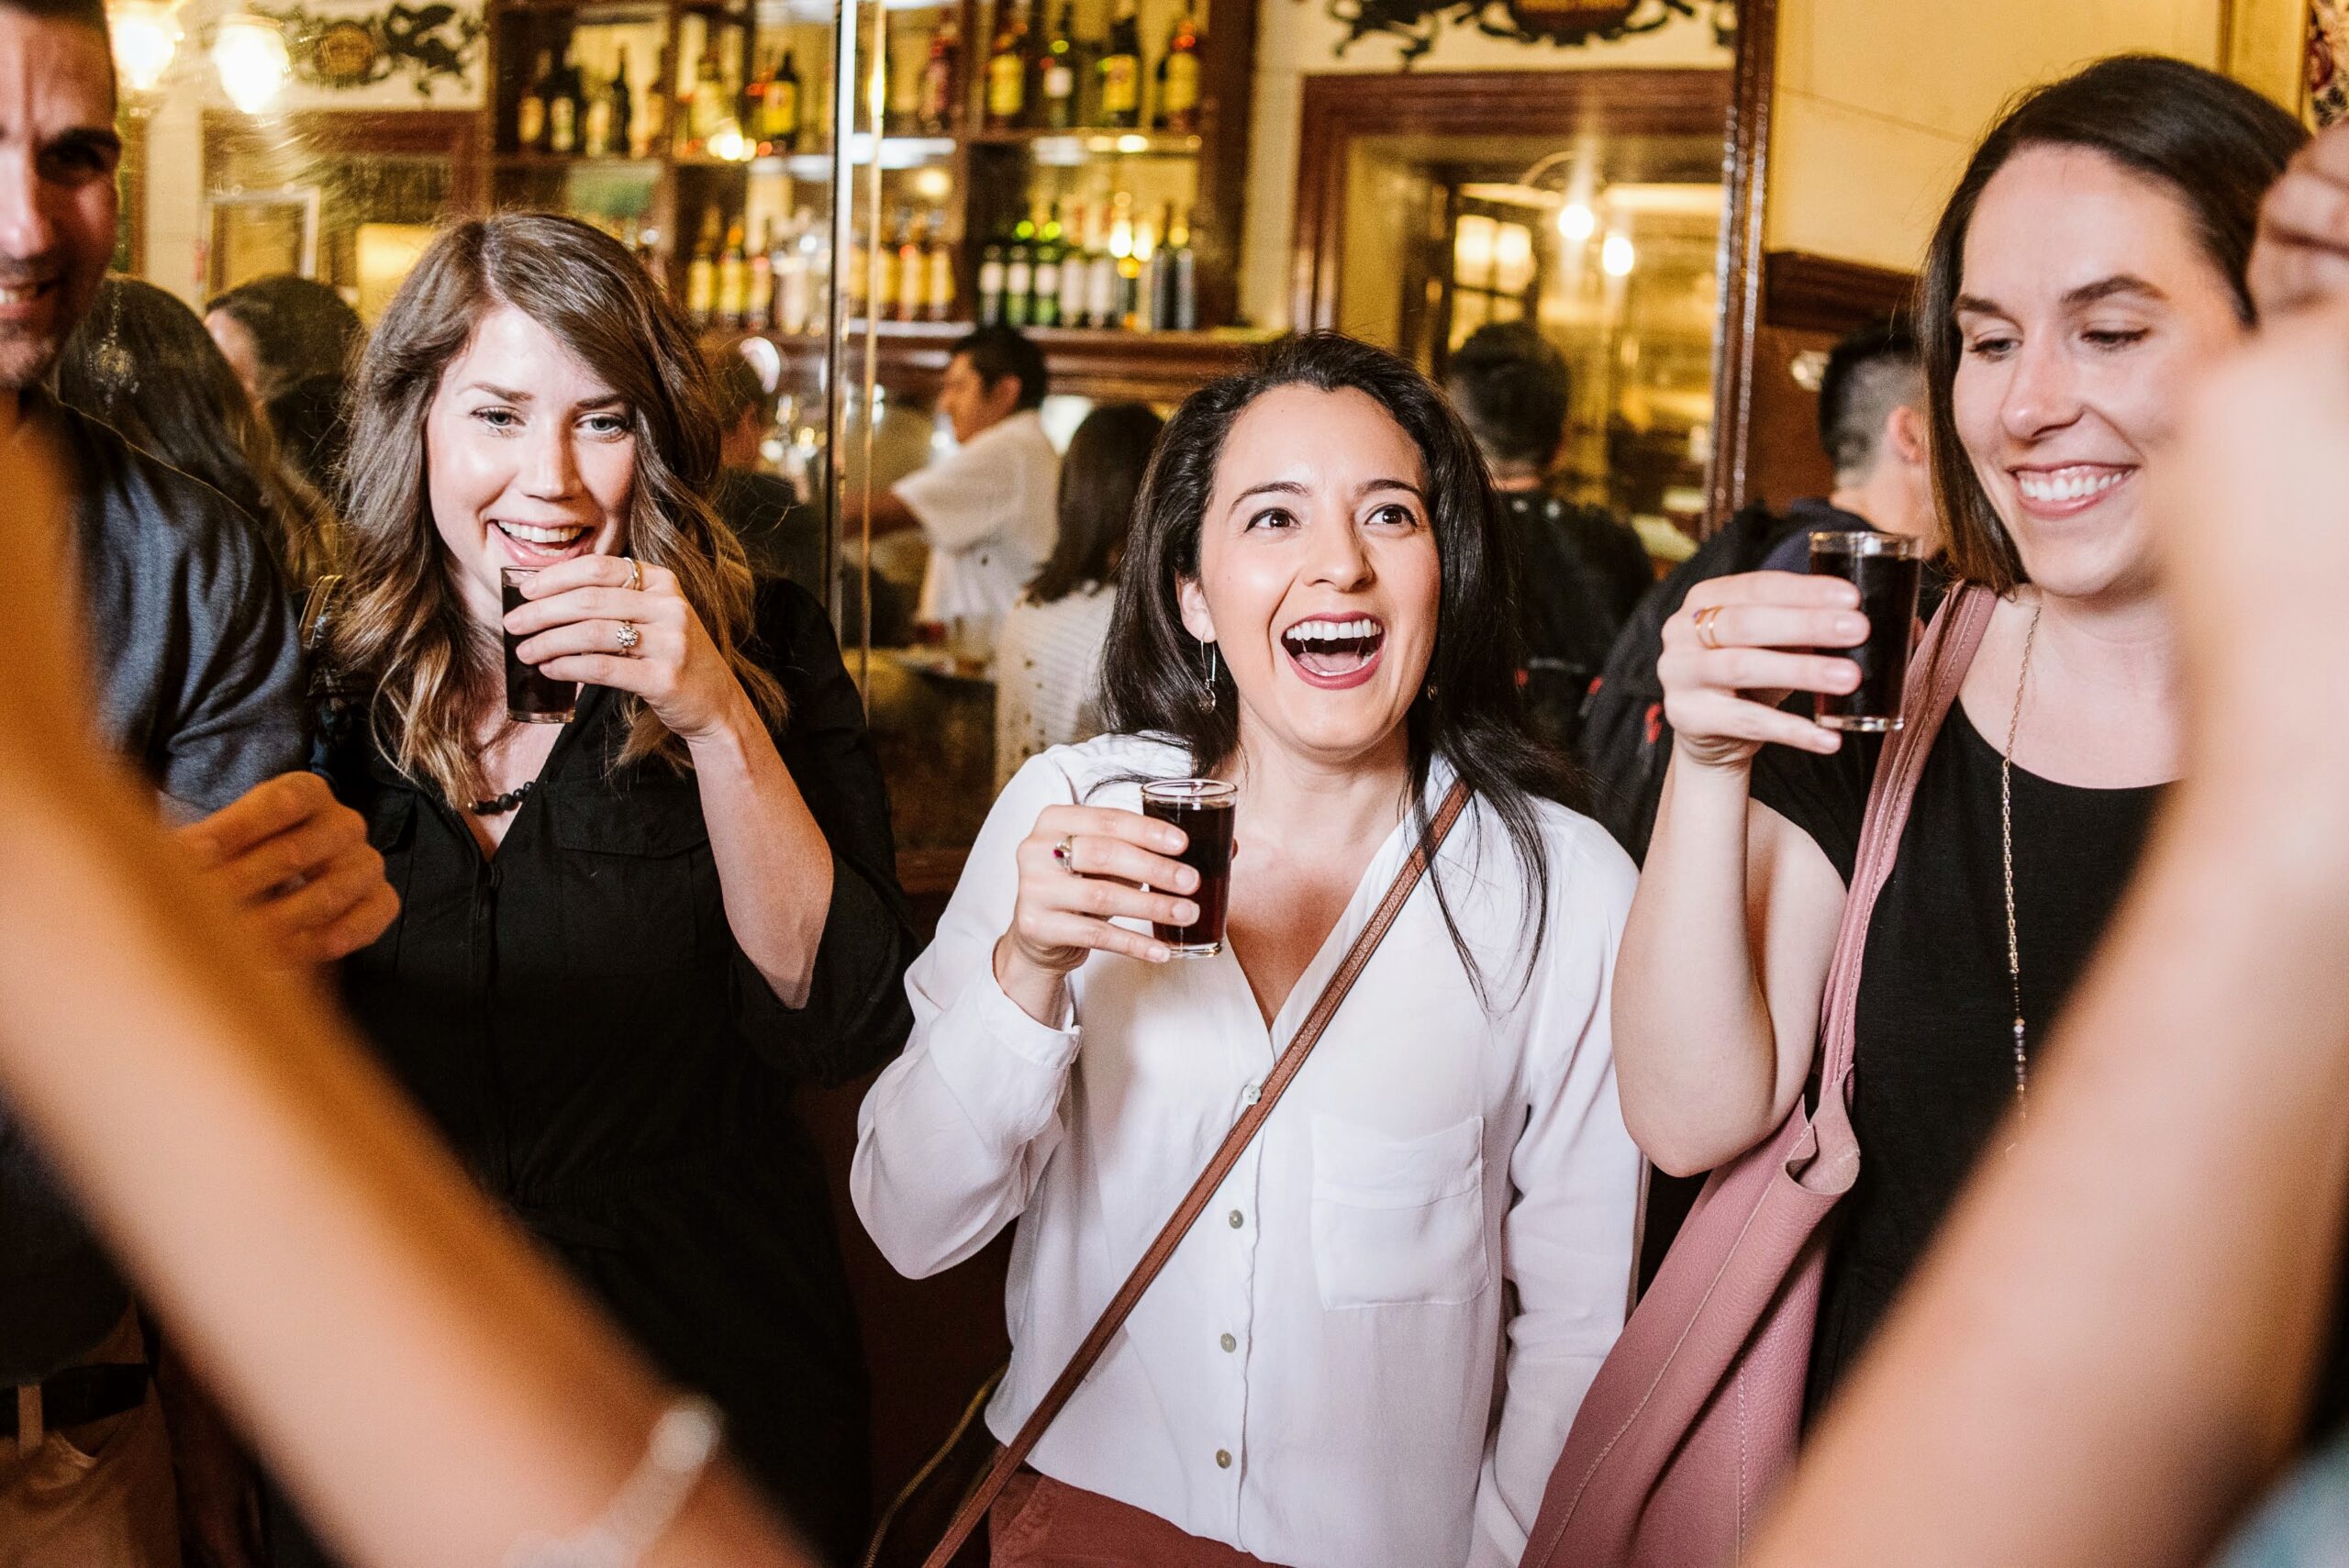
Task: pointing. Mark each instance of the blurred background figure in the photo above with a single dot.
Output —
(1584, 568)
(1871, 427)
(1047, 655)
(142, 362)
(292, 342)
(783, 538)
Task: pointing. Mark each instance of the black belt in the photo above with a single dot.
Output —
(81, 1394)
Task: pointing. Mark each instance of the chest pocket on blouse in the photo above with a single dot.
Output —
(629, 884)
(1398, 1220)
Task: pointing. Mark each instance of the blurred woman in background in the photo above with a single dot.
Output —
(142, 362)
(1047, 655)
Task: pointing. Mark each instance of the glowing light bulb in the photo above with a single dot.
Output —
(1576, 222)
(145, 35)
(1616, 257)
(250, 53)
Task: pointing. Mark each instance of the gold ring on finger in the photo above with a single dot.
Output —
(628, 637)
(635, 574)
(1064, 854)
(1705, 618)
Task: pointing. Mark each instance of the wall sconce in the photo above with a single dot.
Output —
(1616, 256)
(1576, 222)
(145, 35)
(250, 53)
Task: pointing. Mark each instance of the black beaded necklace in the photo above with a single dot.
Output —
(497, 806)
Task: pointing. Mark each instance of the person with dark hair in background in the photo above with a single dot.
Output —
(142, 362)
(292, 340)
(188, 626)
(783, 538)
(1871, 427)
(1366, 1355)
(1584, 568)
(987, 508)
(1047, 656)
(626, 939)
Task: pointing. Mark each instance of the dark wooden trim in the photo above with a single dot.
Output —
(1746, 165)
(1146, 367)
(1819, 294)
(1338, 109)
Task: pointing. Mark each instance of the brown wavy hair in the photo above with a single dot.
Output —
(2212, 142)
(402, 630)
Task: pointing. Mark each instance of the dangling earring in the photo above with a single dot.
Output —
(1211, 680)
(1431, 691)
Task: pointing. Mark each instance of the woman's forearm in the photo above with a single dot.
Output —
(424, 1384)
(1695, 1048)
(2109, 1348)
(774, 862)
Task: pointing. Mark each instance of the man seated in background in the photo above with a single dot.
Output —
(1872, 426)
(988, 508)
(1583, 570)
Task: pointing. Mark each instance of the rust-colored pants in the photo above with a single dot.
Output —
(1039, 1522)
(101, 1495)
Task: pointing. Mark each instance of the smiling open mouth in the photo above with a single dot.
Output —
(1333, 649)
(558, 535)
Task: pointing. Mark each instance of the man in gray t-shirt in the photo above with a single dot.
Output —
(198, 684)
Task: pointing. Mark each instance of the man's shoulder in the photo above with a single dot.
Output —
(135, 499)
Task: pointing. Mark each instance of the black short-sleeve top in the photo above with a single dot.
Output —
(1934, 1066)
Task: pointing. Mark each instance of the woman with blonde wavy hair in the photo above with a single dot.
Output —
(624, 938)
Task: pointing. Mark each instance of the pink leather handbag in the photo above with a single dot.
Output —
(1694, 1416)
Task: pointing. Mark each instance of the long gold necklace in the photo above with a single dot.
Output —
(2006, 859)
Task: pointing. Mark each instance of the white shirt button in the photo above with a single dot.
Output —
(1223, 1459)
(1235, 1219)
(1230, 1343)
(1252, 1094)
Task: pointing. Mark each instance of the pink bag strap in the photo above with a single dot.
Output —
(1935, 677)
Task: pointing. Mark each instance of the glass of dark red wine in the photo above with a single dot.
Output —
(1203, 809)
(531, 698)
(1886, 569)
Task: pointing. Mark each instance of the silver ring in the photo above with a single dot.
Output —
(634, 581)
(628, 637)
(1064, 854)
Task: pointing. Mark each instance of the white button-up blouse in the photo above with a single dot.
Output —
(1368, 1350)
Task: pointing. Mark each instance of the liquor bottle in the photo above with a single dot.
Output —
(1060, 72)
(596, 127)
(795, 274)
(782, 118)
(913, 267)
(707, 109)
(858, 285)
(1046, 310)
(1186, 268)
(1120, 70)
(530, 116)
(991, 282)
(562, 107)
(1007, 68)
(733, 278)
(1178, 75)
(758, 312)
(1102, 282)
(701, 273)
(751, 104)
(1076, 263)
(938, 290)
(622, 101)
(937, 107)
(1019, 274)
(655, 132)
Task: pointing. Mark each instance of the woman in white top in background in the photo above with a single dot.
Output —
(1047, 656)
(1329, 1373)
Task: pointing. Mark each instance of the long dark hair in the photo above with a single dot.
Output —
(404, 630)
(1100, 475)
(1471, 714)
(2213, 143)
(142, 362)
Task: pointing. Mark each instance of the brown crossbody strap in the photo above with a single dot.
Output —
(1235, 1143)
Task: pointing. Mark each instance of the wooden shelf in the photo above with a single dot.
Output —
(1150, 367)
(1099, 142)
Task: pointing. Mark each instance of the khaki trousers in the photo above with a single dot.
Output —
(100, 1495)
